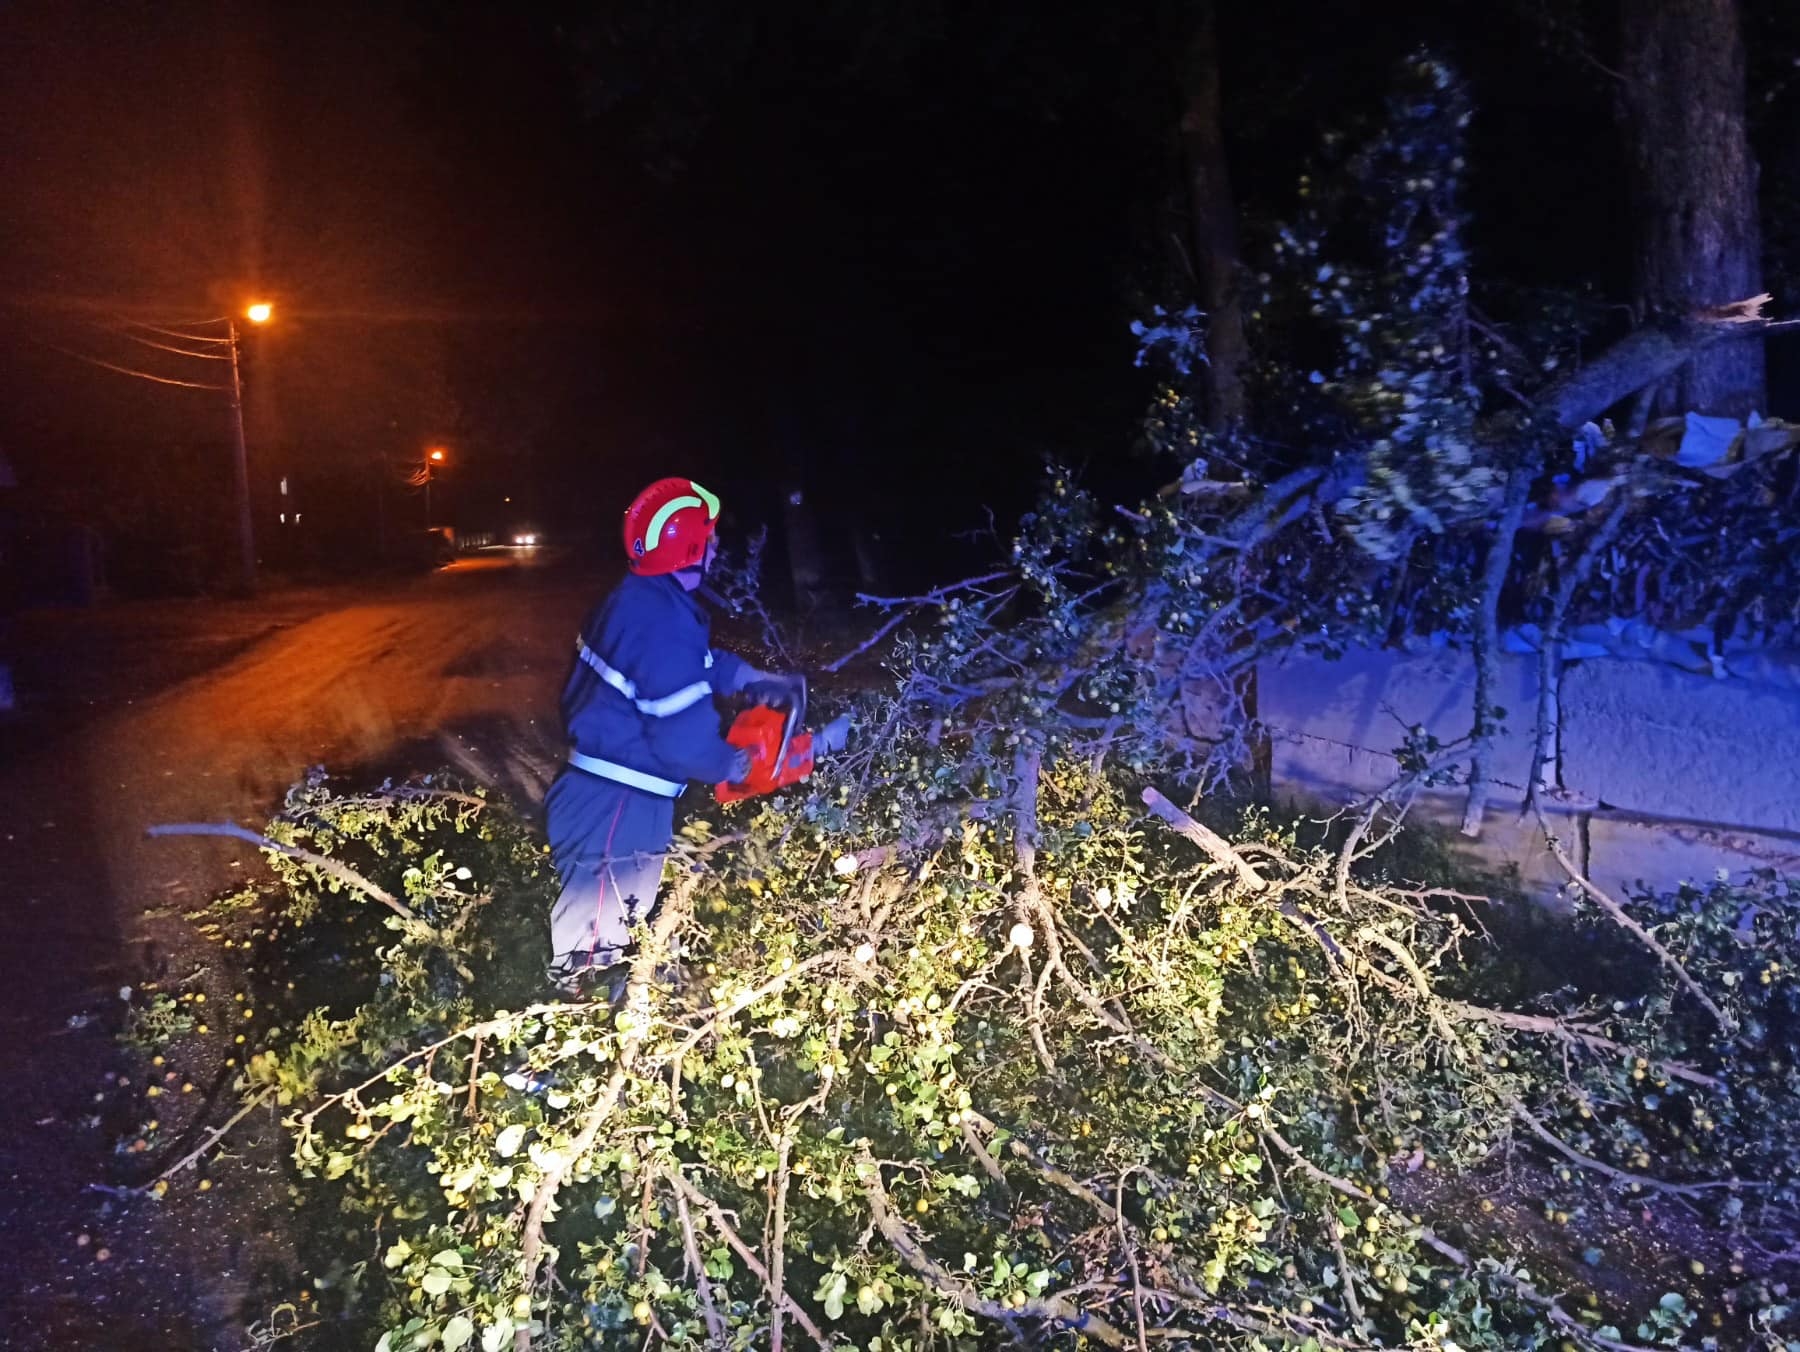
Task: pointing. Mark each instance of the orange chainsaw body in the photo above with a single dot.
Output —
(759, 731)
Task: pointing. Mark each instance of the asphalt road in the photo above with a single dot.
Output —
(207, 711)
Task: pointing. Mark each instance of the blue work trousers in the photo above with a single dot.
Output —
(607, 842)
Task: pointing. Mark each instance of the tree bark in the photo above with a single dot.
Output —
(1212, 220)
(1682, 113)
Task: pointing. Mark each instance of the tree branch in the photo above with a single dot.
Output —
(1217, 848)
(1564, 1032)
(778, 1243)
(330, 867)
(675, 914)
(715, 1326)
(1536, 1127)
(710, 1209)
(1644, 357)
(1551, 638)
(1487, 641)
(1625, 921)
(531, 1244)
(948, 1284)
(211, 1139)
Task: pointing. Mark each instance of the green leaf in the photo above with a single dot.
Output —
(458, 1332)
(831, 1293)
(447, 1258)
(507, 1143)
(435, 1282)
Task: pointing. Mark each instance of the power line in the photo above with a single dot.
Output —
(173, 333)
(129, 371)
(182, 351)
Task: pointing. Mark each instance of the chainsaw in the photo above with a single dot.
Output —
(781, 752)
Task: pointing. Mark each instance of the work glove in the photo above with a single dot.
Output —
(778, 690)
(834, 736)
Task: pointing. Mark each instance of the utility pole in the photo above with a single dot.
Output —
(258, 313)
(240, 474)
(435, 456)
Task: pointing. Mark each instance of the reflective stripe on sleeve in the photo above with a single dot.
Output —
(617, 679)
(685, 698)
(667, 705)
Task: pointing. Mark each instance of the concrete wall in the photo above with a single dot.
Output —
(1661, 775)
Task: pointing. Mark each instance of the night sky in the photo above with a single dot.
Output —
(470, 239)
(883, 251)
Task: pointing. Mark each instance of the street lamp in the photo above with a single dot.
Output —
(258, 313)
(435, 456)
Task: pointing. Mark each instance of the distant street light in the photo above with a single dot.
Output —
(435, 456)
(258, 313)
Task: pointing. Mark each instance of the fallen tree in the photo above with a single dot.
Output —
(1006, 1057)
(1002, 1027)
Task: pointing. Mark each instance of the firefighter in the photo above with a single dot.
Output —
(638, 710)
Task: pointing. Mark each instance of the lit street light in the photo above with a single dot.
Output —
(258, 313)
(435, 456)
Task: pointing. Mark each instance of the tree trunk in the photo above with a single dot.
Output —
(1681, 109)
(1212, 216)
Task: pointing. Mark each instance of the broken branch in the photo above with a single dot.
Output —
(330, 867)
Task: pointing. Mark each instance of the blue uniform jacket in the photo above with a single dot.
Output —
(646, 703)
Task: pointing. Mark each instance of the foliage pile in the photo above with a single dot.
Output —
(1007, 1057)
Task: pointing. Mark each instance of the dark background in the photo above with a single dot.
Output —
(884, 253)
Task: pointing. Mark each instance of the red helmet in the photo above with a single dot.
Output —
(667, 527)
